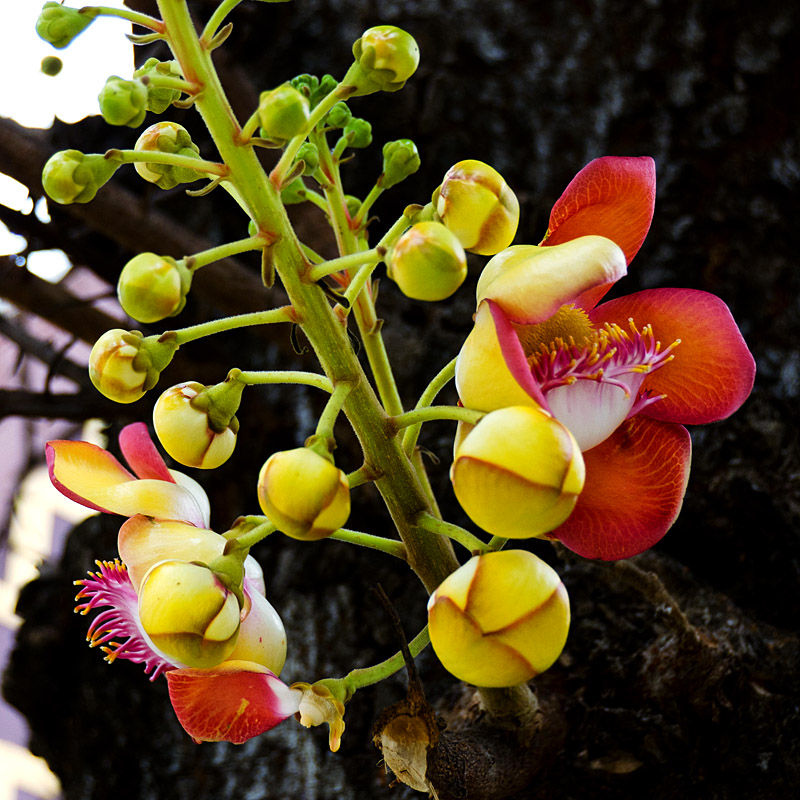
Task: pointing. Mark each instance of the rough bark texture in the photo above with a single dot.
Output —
(677, 684)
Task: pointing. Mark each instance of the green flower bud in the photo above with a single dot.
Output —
(186, 419)
(386, 57)
(59, 25)
(123, 102)
(400, 159)
(353, 205)
(314, 88)
(123, 365)
(309, 154)
(339, 115)
(153, 287)
(293, 193)
(159, 98)
(70, 176)
(358, 133)
(283, 112)
(304, 494)
(166, 137)
(427, 262)
(51, 65)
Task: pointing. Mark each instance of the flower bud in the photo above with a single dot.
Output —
(518, 472)
(159, 98)
(283, 112)
(189, 429)
(123, 365)
(400, 159)
(309, 155)
(153, 287)
(318, 705)
(427, 262)
(51, 66)
(188, 614)
(304, 494)
(293, 193)
(499, 620)
(478, 206)
(339, 115)
(123, 102)
(166, 137)
(59, 25)
(70, 176)
(314, 88)
(386, 57)
(358, 133)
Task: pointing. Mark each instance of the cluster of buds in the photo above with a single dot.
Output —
(304, 494)
(500, 619)
(153, 287)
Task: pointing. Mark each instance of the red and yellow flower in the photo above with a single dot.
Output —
(229, 690)
(623, 376)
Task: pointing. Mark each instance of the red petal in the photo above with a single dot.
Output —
(712, 373)
(232, 702)
(611, 197)
(635, 482)
(141, 453)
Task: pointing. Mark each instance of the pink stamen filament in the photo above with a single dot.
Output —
(611, 354)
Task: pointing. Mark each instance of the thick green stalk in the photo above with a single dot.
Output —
(431, 557)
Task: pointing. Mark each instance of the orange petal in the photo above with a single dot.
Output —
(712, 372)
(635, 482)
(230, 703)
(611, 197)
(141, 453)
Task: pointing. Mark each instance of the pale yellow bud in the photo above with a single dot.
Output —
(304, 494)
(500, 619)
(113, 368)
(153, 287)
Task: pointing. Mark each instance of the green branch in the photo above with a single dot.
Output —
(455, 532)
(190, 334)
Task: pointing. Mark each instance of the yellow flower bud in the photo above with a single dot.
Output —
(304, 494)
(186, 432)
(153, 287)
(478, 206)
(188, 614)
(70, 176)
(283, 112)
(500, 619)
(427, 262)
(113, 368)
(518, 472)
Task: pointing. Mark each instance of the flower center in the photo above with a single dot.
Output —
(591, 377)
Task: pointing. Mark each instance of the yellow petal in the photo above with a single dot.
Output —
(530, 283)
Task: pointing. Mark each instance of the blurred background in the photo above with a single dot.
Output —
(709, 89)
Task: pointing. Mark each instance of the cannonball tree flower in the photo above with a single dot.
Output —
(623, 376)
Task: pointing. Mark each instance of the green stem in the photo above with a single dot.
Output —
(213, 254)
(455, 532)
(287, 376)
(394, 233)
(143, 20)
(332, 410)
(190, 334)
(217, 18)
(432, 558)
(357, 284)
(170, 82)
(176, 160)
(390, 546)
(366, 676)
(374, 193)
(497, 543)
(359, 477)
(420, 415)
(442, 378)
(257, 534)
(344, 262)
